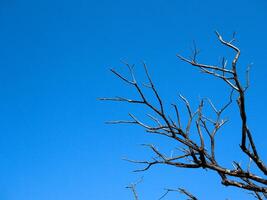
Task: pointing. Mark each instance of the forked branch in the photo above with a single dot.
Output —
(201, 152)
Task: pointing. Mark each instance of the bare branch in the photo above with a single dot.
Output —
(132, 187)
(180, 190)
(200, 151)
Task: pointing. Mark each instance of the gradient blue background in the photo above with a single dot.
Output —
(54, 61)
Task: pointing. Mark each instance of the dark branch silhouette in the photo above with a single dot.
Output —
(200, 153)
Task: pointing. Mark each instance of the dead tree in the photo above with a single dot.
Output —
(201, 153)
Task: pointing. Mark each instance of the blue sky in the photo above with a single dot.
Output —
(54, 63)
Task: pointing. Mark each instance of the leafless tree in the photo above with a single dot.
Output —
(200, 153)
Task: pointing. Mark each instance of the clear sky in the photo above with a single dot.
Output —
(54, 61)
